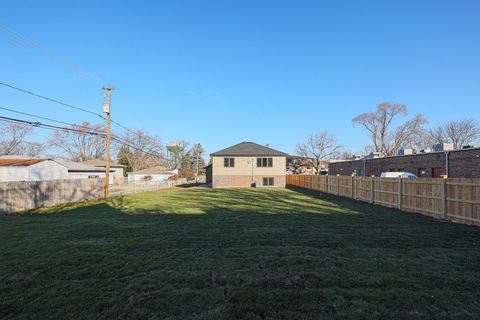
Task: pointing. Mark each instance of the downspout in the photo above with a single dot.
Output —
(447, 153)
(253, 180)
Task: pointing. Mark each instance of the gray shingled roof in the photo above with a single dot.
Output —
(249, 149)
(154, 170)
(79, 167)
(102, 163)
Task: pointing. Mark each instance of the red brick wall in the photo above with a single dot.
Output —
(462, 164)
(208, 174)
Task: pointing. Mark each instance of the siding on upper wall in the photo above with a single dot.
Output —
(13, 173)
(117, 172)
(141, 177)
(85, 175)
(243, 166)
(45, 170)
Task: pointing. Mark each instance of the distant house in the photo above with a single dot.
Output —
(18, 168)
(77, 170)
(247, 164)
(157, 173)
(31, 170)
(118, 169)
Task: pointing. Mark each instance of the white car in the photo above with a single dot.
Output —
(404, 175)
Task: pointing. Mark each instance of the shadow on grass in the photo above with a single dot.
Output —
(236, 254)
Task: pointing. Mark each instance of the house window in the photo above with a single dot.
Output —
(264, 162)
(268, 182)
(229, 162)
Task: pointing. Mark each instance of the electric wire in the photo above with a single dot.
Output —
(57, 128)
(24, 40)
(51, 100)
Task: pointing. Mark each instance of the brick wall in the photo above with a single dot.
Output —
(208, 174)
(461, 164)
(239, 181)
(464, 164)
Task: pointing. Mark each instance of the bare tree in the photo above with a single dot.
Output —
(346, 155)
(458, 132)
(31, 149)
(319, 147)
(82, 145)
(13, 141)
(140, 149)
(387, 137)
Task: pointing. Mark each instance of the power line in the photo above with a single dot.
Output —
(57, 128)
(50, 99)
(59, 121)
(22, 39)
(63, 104)
(66, 105)
(48, 119)
(121, 125)
(43, 125)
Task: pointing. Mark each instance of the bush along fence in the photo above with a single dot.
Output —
(450, 199)
(27, 195)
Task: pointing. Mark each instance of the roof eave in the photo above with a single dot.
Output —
(247, 155)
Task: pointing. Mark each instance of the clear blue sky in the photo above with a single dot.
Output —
(221, 72)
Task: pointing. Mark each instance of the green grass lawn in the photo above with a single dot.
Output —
(236, 254)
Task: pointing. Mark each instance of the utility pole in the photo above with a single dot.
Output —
(106, 109)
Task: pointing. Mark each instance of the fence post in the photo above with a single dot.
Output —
(400, 192)
(338, 184)
(443, 190)
(327, 186)
(353, 186)
(372, 187)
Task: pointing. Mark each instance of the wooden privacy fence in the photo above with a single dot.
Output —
(451, 199)
(27, 195)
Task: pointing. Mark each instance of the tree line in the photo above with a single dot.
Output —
(390, 129)
(137, 149)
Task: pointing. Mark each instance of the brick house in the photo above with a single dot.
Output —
(461, 163)
(247, 164)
